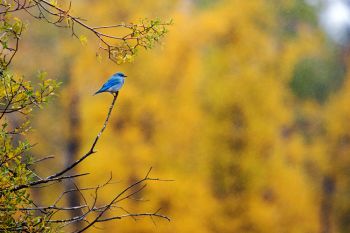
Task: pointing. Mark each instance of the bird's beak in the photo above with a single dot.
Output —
(125, 76)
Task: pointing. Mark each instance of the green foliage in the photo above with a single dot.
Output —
(294, 14)
(18, 96)
(11, 29)
(207, 3)
(316, 78)
(144, 34)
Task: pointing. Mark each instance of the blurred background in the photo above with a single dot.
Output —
(245, 104)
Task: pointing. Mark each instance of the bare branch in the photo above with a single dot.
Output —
(91, 151)
(120, 197)
(43, 159)
(135, 215)
(47, 180)
(58, 175)
(45, 208)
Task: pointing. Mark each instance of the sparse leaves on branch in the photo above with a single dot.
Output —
(121, 45)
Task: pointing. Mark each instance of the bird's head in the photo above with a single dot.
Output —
(120, 75)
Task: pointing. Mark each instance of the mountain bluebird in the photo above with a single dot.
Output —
(113, 84)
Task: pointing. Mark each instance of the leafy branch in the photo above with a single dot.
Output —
(120, 47)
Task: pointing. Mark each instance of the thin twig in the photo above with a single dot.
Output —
(117, 198)
(44, 181)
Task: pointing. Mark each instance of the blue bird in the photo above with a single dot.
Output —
(113, 84)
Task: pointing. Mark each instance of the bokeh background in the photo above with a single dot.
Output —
(245, 104)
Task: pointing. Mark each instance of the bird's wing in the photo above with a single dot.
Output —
(112, 82)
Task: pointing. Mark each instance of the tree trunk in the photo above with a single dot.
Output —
(72, 151)
(328, 189)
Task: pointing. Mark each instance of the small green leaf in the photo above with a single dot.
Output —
(83, 40)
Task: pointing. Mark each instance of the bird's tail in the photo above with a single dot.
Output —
(99, 91)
